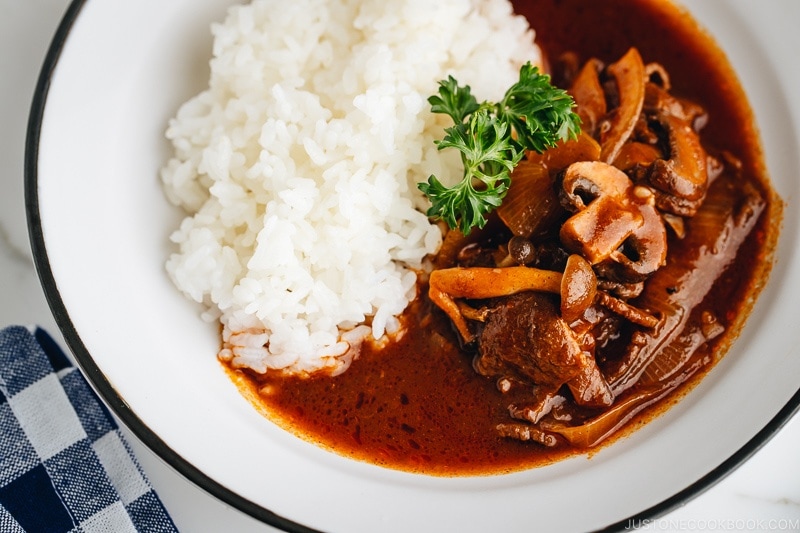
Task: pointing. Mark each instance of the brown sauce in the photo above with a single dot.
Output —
(416, 404)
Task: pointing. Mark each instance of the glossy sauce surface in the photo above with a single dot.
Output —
(416, 404)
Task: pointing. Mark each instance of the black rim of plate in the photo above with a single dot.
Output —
(170, 456)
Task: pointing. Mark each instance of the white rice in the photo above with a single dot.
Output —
(298, 166)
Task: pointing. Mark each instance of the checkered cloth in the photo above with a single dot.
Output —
(64, 465)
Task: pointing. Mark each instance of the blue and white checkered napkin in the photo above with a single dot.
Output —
(64, 465)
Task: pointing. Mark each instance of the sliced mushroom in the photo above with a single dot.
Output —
(630, 76)
(590, 99)
(645, 251)
(578, 288)
(446, 285)
(605, 215)
(585, 181)
(616, 225)
(683, 177)
(680, 176)
(658, 101)
(658, 75)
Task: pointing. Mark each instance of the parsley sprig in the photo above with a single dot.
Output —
(493, 139)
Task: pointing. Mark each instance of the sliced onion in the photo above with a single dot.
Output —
(531, 206)
(556, 159)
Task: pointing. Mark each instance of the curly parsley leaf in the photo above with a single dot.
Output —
(455, 101)
(492, 139)
(489, 155)
(540, 113)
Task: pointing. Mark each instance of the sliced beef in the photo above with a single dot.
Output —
(525, 339)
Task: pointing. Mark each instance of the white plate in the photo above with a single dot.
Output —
(100, 224)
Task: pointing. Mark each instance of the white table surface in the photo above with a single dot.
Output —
(763, 494)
